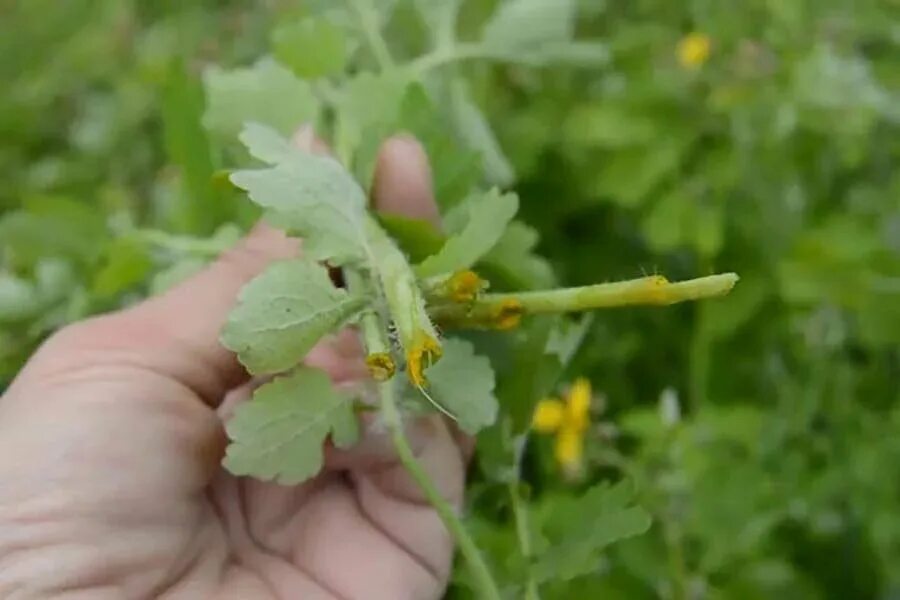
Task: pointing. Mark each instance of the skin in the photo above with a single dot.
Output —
(110, 445)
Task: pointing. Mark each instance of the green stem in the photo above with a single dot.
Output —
(445, 511)
(655, 290)
(373, 338)
(368, 20)
(520, 514)
(457, 53)
(186, 245)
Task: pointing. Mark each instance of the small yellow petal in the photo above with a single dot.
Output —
(694, 50)
(381, 366)
(569, 449)
(424, 352)
(578, 405)
(548, 416)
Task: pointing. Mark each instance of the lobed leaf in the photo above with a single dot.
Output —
(488, 217)
(463, 383)
(265, 93)
(315, 197)
(266, 144)
(577, 530)
(311, 47)
(283, 312)
(527, 25)
(474, 128)
(279, 434)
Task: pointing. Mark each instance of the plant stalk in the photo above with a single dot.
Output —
(654, 290)
(484, 579)
(368, 21)
(520, 514)
(374, 341)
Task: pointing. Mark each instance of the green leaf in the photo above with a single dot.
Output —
(312, 48)
(463, 383)
(579, 529)
(283, 312)
(440, 17)
(315, 197)
(279, 434)
(526, 25)
(49, 226)
(455, 168)
(266, 144)
(187, 147)
(126, 265)
(488, 217)
(367, 112)
(474, 128)
(533, 366)
(609, 125)
(513, 260)
(265, 93)
(417, 238)
(628, 176)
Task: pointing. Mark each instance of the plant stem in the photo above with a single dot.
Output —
(457, 53)
(373, 338)
(368, 20)
(488, 588)
(520, 514)
(208, 247)
(654, 290)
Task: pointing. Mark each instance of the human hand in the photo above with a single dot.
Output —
(110, 445)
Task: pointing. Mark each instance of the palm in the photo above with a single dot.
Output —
(139, 496)
(110, 445)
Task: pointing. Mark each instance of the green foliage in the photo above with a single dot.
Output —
(487, 218)
(312, 196)
(296, 413)
(463, 383)
(265, 93)
(771, 476)
(283, 312)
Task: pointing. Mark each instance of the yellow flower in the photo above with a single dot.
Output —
(424, 352)
(694, 50)
(568, 419)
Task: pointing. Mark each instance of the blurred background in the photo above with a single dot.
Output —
(758, 136)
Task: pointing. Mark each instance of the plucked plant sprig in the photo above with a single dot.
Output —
(405, 309)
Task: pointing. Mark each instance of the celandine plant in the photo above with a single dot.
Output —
(408, 287)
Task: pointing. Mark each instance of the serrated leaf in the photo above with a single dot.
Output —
(315, 197)
(474, 128)
(463, 383)
(265, 93)
(577, 530)
(312, 48)
(488, 217)
(279, 434)
(283, 312)
(266, 144)
(526, 25)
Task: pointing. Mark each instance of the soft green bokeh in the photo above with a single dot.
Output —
(776, 158)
